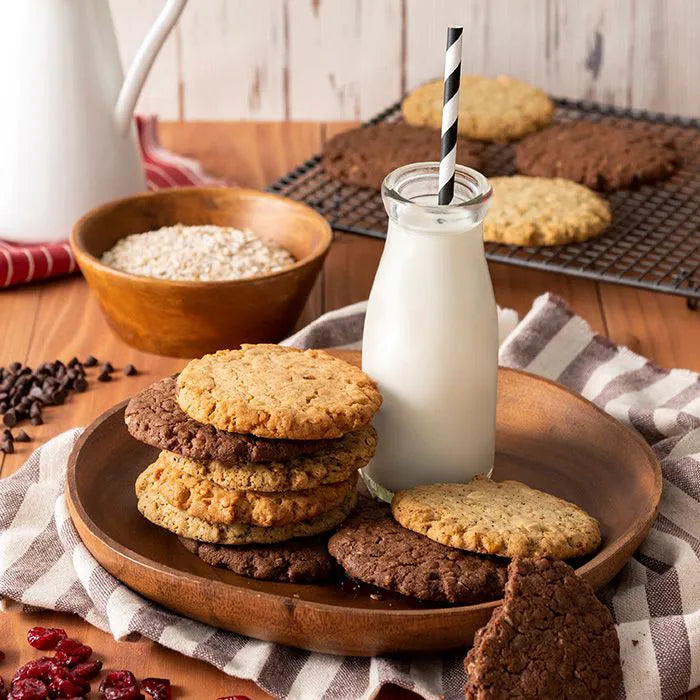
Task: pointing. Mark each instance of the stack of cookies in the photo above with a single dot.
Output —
(260, 446)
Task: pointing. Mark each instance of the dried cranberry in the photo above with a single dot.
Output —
(87, 670)
(64, 685)
(29, 689)
(70, 652)
(131, 693)
(120, 685)
(157, 688)
(41, 669)
(45, 638)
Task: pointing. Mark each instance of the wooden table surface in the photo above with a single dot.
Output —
(59, 319)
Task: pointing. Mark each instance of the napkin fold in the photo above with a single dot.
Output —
(24, 262)
(655, 600)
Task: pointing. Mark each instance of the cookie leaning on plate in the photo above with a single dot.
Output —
(363, 157)
(338, 462)
(204, 499)
(537, 211)
(277, 392)
(154, 507)
(551, 639)
(372, 547)
(601, 156)
(154, 417)
(303, 560)
(490, 109)
(506, 518)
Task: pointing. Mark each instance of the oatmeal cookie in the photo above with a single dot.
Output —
(206, 500)
(490, 109)
(536, 211)
(153, 416)
(600, 156)
(551, 639)
(295, 561)
(506, 518)
(278, 392)
(365, 156)
(372, 547)
(153, 506)
(339, 462)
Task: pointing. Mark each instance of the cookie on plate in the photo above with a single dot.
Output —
(297, 561)
(278, 392)
(372, 547)
(490, 109)
(154, 507)
(551, 639)
(153, 416)
(601, 156)
(505, 518)
(535, 211)
(365, 156)
(205, 499)
(338, 462)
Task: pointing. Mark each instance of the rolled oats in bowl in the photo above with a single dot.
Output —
(203, 253)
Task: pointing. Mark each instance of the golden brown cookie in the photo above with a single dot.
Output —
(490, 109)
(506, 518)
(156, 509)
(204, 499)
(329, 466)
(277, 392)
(536, 211)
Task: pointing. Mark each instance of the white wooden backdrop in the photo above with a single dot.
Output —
(348, 59)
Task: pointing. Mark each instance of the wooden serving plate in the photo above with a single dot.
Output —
(547, 437)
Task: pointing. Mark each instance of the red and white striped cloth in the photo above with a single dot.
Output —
(20, 263)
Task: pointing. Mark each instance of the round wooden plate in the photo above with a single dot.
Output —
(547, 437)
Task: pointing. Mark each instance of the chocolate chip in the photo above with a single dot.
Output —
(130, 370)
(22, 437)
(3, 406)
(74, 361)
(6, 434)
(15, 367)
(90, 361)
(35, 409)
(104, 377)
(107, 367)
(36, 392)
(7, 447)
(37, 420)
(80, 384)
(59, 396)
(10, 418)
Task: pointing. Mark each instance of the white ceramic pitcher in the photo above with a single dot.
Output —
(67, 138)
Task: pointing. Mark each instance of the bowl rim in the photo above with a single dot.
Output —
(83, 255)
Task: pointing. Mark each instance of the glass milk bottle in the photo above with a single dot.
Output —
(431, 334)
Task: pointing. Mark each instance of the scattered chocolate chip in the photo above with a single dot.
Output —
(73, 361)
(90, 361)
(7, 434)
(104, 377)
(35, 409)
(80, 384)
(22, 437)
(15, 367)
(10, 418)
(107, 367)
(37, 420)
(7, 446)
(130, 371)
(59, 396)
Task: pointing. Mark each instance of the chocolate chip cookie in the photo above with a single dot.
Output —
(551, 639)
(278, 392)
(153, 416)
(364, 157)
(372, 547)
(295, 561)
(600, 156)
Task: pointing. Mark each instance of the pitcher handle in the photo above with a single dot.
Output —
(138, 70)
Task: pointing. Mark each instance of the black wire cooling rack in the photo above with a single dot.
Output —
(652, 243)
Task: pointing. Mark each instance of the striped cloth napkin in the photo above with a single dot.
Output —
(655, 600)
(21, 263)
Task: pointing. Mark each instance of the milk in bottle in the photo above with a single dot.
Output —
(431, 334)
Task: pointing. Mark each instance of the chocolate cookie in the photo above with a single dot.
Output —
(372, 547)
(601, 156)
(154, 417)
(551, 639)
(295, 561)
(365, 156)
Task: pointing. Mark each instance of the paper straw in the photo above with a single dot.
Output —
(450, 113)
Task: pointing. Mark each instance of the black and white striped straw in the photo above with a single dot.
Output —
(450, 113)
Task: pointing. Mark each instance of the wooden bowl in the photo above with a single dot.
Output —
(547, 437)
(189, 319)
